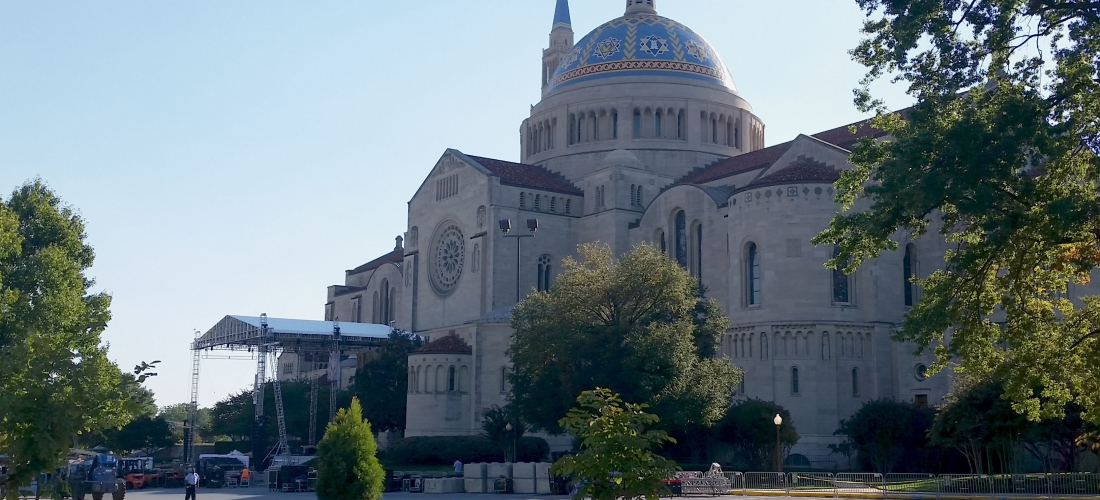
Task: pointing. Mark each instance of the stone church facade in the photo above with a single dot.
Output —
(642, 137)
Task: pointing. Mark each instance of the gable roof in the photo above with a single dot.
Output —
(736, 164)
(841, 137)
(448, 344)
(802, 169)
(394, 257)
(528, 176)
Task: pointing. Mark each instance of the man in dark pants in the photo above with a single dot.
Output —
(190, 482)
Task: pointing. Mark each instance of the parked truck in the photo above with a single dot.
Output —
(97, 475)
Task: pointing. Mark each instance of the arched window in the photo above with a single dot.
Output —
(714, 130)
(908, 270)
(580, 128)
(794, 380)
(614, 124)
(752, 275)
(639, 203)
(657, 124)
(637, 124)
(568, 207)
(855, 382)
(699, 251)
(374, 309)
(393, 305)
(681, 125)
(737, 136)
(504, 379)
(522, 200)
(633, 194)
(741, 387)
(385, 302)
(451, 378)
(554, 204)
(544, 273)
(764, 346)
(681, 239)
(659, 240)
(572, 128)
(842, 293)
(538, 202)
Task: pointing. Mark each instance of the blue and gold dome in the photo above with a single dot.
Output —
(642, 45)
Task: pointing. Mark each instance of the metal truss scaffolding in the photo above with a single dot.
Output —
(271, 337)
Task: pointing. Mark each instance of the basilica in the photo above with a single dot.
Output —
(642, 137)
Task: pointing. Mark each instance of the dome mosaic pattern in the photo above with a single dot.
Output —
(642, 45)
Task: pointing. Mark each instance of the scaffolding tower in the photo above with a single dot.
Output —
(270, 337)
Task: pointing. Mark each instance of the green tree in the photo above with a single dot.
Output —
(976, 420)
(177, 415)
(749, 429)
(504, 428)
(347, 468)
(999, 156)
(55, 379)
(885, 432)
(140, 401)
(147, 434)
(382, 383)
(632, 325)
(616, 442)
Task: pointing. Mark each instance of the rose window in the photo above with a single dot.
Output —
(450, 254)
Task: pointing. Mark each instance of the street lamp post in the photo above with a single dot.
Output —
(506, 228)
(509, 429)
(778, 421)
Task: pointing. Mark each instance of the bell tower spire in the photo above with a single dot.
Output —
(561, 41)
(641, 7)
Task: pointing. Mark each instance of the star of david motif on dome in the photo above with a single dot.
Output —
(698, 51)
(607, 48)
(654, 45)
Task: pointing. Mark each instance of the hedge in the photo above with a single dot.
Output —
(444, 450)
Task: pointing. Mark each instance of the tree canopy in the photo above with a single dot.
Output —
(630, 325)
(347, 468)
(383, 381)
(749, 429)
(999, 157)
(885, 432)
(617, 440)
(55, 379)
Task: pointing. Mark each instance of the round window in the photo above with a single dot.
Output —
(449, 255)
(920, 371)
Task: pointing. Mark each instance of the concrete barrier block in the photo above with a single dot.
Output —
(542, 486)
(523, 485)
(473, 471)
(476, 485)
(495, 470)
(523, 470)
(542, 469)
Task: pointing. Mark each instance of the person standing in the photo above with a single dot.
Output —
(246, 475)
(458, 467)
(190, 482)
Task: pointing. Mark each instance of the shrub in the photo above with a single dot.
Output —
(444, 450)
(347, 468)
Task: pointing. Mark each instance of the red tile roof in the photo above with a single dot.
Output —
(528, 176)
(736, 164)
(841, 137)
(450, 344)
(395, 257)
(800, 170)
(844, 138)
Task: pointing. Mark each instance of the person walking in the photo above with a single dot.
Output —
(190, 482)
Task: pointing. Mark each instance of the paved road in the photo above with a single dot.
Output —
(264, 494)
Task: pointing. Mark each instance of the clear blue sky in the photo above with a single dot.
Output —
(237, 157)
